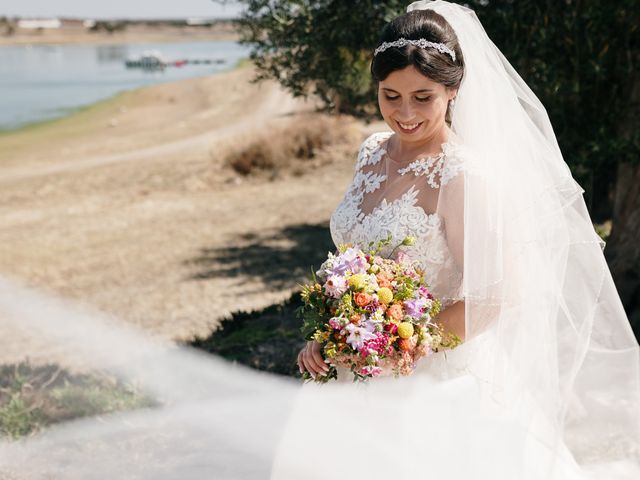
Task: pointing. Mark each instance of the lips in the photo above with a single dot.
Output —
(408, 127)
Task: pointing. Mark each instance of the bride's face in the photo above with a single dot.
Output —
(407, 98)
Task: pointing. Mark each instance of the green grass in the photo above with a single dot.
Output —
(267, 339)
(34, 397)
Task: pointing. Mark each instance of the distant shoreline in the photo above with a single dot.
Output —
(25, 127)
(133, 34)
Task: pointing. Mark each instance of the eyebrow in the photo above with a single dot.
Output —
(415, 91)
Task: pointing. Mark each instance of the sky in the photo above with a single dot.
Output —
(118, 8)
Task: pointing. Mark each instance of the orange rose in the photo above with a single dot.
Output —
(355, 318)
(407, 344)
(395, 312)
(362, 299)
(383, 280)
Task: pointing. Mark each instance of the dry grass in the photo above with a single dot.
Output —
(301, 144)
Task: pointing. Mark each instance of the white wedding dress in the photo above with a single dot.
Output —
(430, 424)
(402, 211)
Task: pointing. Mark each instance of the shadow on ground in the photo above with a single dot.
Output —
(279, 258)
(267, 339)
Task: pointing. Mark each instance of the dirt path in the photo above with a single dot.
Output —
(276, 102)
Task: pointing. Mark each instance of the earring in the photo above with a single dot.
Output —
(452, 101)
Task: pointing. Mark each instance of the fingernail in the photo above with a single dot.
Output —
(326, 360)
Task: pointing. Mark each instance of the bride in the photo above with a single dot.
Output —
(547, 382)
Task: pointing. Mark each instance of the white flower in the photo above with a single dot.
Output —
(372, 283)
(335, 285)
(327, 265)
(377, 317)
(359, 335)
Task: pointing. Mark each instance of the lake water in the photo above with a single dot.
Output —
(42, 82)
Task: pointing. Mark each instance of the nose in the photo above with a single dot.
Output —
(405, 112)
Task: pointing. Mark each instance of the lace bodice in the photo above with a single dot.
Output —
(404, 215)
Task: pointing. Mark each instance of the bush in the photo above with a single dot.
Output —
(301, 144)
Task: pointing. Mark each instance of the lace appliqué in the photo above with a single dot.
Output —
(399, 217)
(370, 153)
(370, 181)
(444, 166)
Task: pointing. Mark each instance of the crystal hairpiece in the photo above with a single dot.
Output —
(401, 42)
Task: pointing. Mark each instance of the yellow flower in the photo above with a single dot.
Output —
(405, 329)
(385, 295)
(358, 281)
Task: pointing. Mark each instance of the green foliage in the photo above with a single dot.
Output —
(109, 27)
(318, 47)
(18, 417)
(580, 58)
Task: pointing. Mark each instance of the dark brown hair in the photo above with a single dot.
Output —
(439, 67)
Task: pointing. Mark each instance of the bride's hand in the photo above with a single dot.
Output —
(311, 359)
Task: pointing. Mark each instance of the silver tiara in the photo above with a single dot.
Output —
(422, 42)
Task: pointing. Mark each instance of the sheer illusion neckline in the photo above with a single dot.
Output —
(383, 204)
(384, 144)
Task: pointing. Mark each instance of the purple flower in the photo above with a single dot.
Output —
(402, 257)
(371, 370)
(415, 306)
(376, 345)
(334, 323)
(351, 260)
(424, 291)
(372, 306)
(360, 334)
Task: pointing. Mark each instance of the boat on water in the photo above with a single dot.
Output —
(154, 60)
(149, 59)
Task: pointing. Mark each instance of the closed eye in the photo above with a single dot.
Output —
(420, 99)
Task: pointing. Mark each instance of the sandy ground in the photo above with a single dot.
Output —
(128, 206)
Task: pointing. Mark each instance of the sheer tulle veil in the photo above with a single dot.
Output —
(550, 364)
(537, 288)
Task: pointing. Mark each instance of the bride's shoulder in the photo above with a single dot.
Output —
(371, 151)
(460, 158)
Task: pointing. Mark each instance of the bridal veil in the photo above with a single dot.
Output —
(536, 282)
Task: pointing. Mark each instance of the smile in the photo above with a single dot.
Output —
(409, 127)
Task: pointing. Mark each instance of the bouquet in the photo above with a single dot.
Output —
(372, 315)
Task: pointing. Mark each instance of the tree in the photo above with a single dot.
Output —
(580, 57)
(320, 48)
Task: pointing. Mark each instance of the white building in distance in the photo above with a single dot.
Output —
(35, 24)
